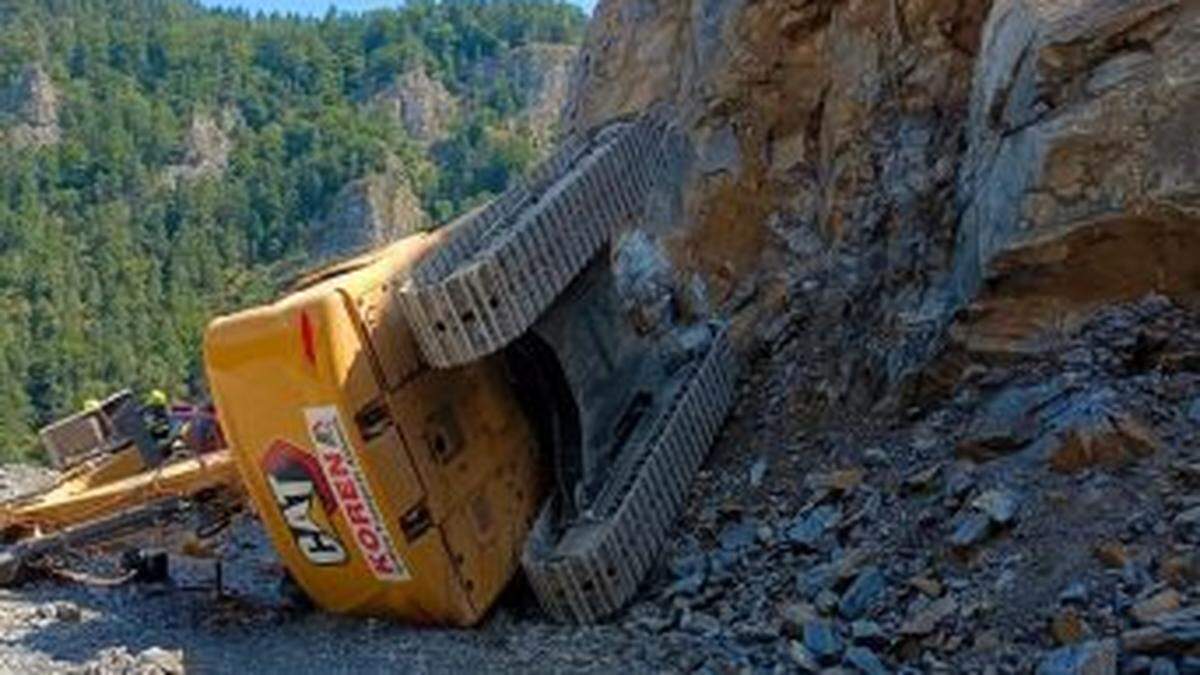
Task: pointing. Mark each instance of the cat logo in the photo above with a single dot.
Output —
(306, 502)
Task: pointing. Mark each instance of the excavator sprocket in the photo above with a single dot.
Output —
(593, 568)
(508, 262)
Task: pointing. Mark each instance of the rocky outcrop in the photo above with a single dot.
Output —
(366, 213)
(206, 148)
(537, 74)
(29, 109)
(1080, 185)
(822, 172)
(543, 72)
(897, 178)
(419, 103)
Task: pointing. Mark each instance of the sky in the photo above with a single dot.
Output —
(318, 7)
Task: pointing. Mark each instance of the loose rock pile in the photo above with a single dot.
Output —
(1040, 518)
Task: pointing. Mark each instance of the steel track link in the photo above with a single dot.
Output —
(595, 567)
(507, 262)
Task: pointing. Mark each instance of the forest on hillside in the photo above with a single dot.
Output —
(117, 245)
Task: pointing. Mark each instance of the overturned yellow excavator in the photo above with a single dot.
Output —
(415, 425)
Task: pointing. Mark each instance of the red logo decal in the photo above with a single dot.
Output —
(299, 485)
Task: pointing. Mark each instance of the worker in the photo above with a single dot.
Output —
(157, 416)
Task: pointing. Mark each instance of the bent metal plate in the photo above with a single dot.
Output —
(341, 467)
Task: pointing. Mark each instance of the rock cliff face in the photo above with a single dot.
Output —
(206, 147)
(30, 103)
(879, 169)
(541, 74)
(961, 240)
(421, 104)
(366, 213)
(1081, 185)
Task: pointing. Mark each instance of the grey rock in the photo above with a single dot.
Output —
(1090, 658)
(738, 536)
(959, 484)
(924, 479)
(755, 632)
(863, 594)
(823, 642)
(1075, 593)
(643, 280)
(877, 456)
(924, 620)
(757, 472)
(700, 623)
(865, 661)
(808, 529)
(826, 601)
(868, 633)
(972, 528)
(1092, 429)
(1174, 633)
(795, 614)
(1009, 422)
(815, 579)
(1000, 505)
(802, 658)
(68, 612)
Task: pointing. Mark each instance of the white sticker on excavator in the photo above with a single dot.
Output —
(359, 508)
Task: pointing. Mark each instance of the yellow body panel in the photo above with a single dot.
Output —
(387, 488)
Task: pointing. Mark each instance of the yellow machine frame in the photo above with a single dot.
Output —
(387, 487)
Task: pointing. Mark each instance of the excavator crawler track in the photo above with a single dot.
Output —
(591, 569)
(506, 264)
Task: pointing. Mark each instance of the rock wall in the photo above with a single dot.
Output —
(1081, 184)
(867, 173)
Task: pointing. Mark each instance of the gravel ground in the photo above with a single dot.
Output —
(969, 535)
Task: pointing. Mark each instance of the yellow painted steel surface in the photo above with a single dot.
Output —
(118, 483)
(387, 487)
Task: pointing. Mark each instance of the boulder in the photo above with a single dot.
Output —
(1009, 422)
(1092, 430)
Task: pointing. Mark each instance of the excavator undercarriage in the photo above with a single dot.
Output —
(415, 424)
